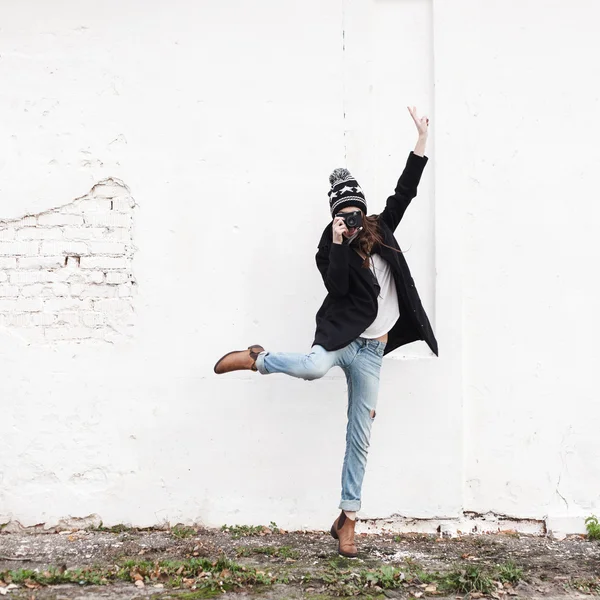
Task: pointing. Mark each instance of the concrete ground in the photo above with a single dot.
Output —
(260, 562)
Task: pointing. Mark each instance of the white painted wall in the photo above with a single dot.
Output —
(529, 123)
(223, 119)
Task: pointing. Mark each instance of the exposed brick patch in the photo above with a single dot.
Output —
(66, 273)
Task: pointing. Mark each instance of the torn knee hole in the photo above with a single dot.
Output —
(373, 413)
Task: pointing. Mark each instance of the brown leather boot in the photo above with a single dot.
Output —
(239, 360)
(343, 530)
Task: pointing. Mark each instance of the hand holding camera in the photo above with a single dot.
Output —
(344, 222)
(339, 227)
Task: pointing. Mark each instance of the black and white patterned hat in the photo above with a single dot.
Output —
(345, 191)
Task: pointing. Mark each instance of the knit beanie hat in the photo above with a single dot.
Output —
(345, 191)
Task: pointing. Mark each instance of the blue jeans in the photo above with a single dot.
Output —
(361, 362)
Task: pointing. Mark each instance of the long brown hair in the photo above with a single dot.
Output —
(369, 237)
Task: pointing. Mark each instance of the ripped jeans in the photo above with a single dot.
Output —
(361, 362)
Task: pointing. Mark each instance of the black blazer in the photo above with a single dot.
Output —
(351, 304)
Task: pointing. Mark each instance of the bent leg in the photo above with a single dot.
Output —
(309, 366)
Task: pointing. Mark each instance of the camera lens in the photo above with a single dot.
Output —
(351, 222)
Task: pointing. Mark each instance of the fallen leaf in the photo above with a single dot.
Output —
(465, 555)
(159, 585)
(139, 583)
(418, 594)
(431, 588)
(476, 595)
(32, 586)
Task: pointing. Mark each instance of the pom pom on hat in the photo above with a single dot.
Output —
(339, 175)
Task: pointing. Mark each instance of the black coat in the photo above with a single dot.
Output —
(351, 304)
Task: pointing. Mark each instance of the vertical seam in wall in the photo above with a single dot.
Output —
(433, 179)
(344, 80)
(463, 405)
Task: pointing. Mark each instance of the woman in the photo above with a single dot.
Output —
(372, 307)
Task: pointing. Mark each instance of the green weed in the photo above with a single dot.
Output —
(593, 528)
(276, 551)
(182, 532)
(587, 586)
(120, 528)
(216, 575)
(238, 531)
(198, 594)
(509, 572)
(470, 578)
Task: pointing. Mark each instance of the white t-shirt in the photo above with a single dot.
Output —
(388, 310)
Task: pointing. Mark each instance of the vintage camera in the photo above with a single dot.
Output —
(352, 219)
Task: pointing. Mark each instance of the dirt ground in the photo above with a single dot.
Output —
(309, 561)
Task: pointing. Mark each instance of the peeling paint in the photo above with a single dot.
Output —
(468, 522)
(66, 273)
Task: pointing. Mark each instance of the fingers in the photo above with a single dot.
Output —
(339, 225)
(413, 114)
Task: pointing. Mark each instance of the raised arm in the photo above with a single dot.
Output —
(406, 188)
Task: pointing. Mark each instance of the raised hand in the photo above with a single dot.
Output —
(421, 123)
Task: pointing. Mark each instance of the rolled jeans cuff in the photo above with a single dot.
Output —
(260, 363)
(351, 505)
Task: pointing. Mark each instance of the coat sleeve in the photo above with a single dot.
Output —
(332, 262)
(405, 191)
